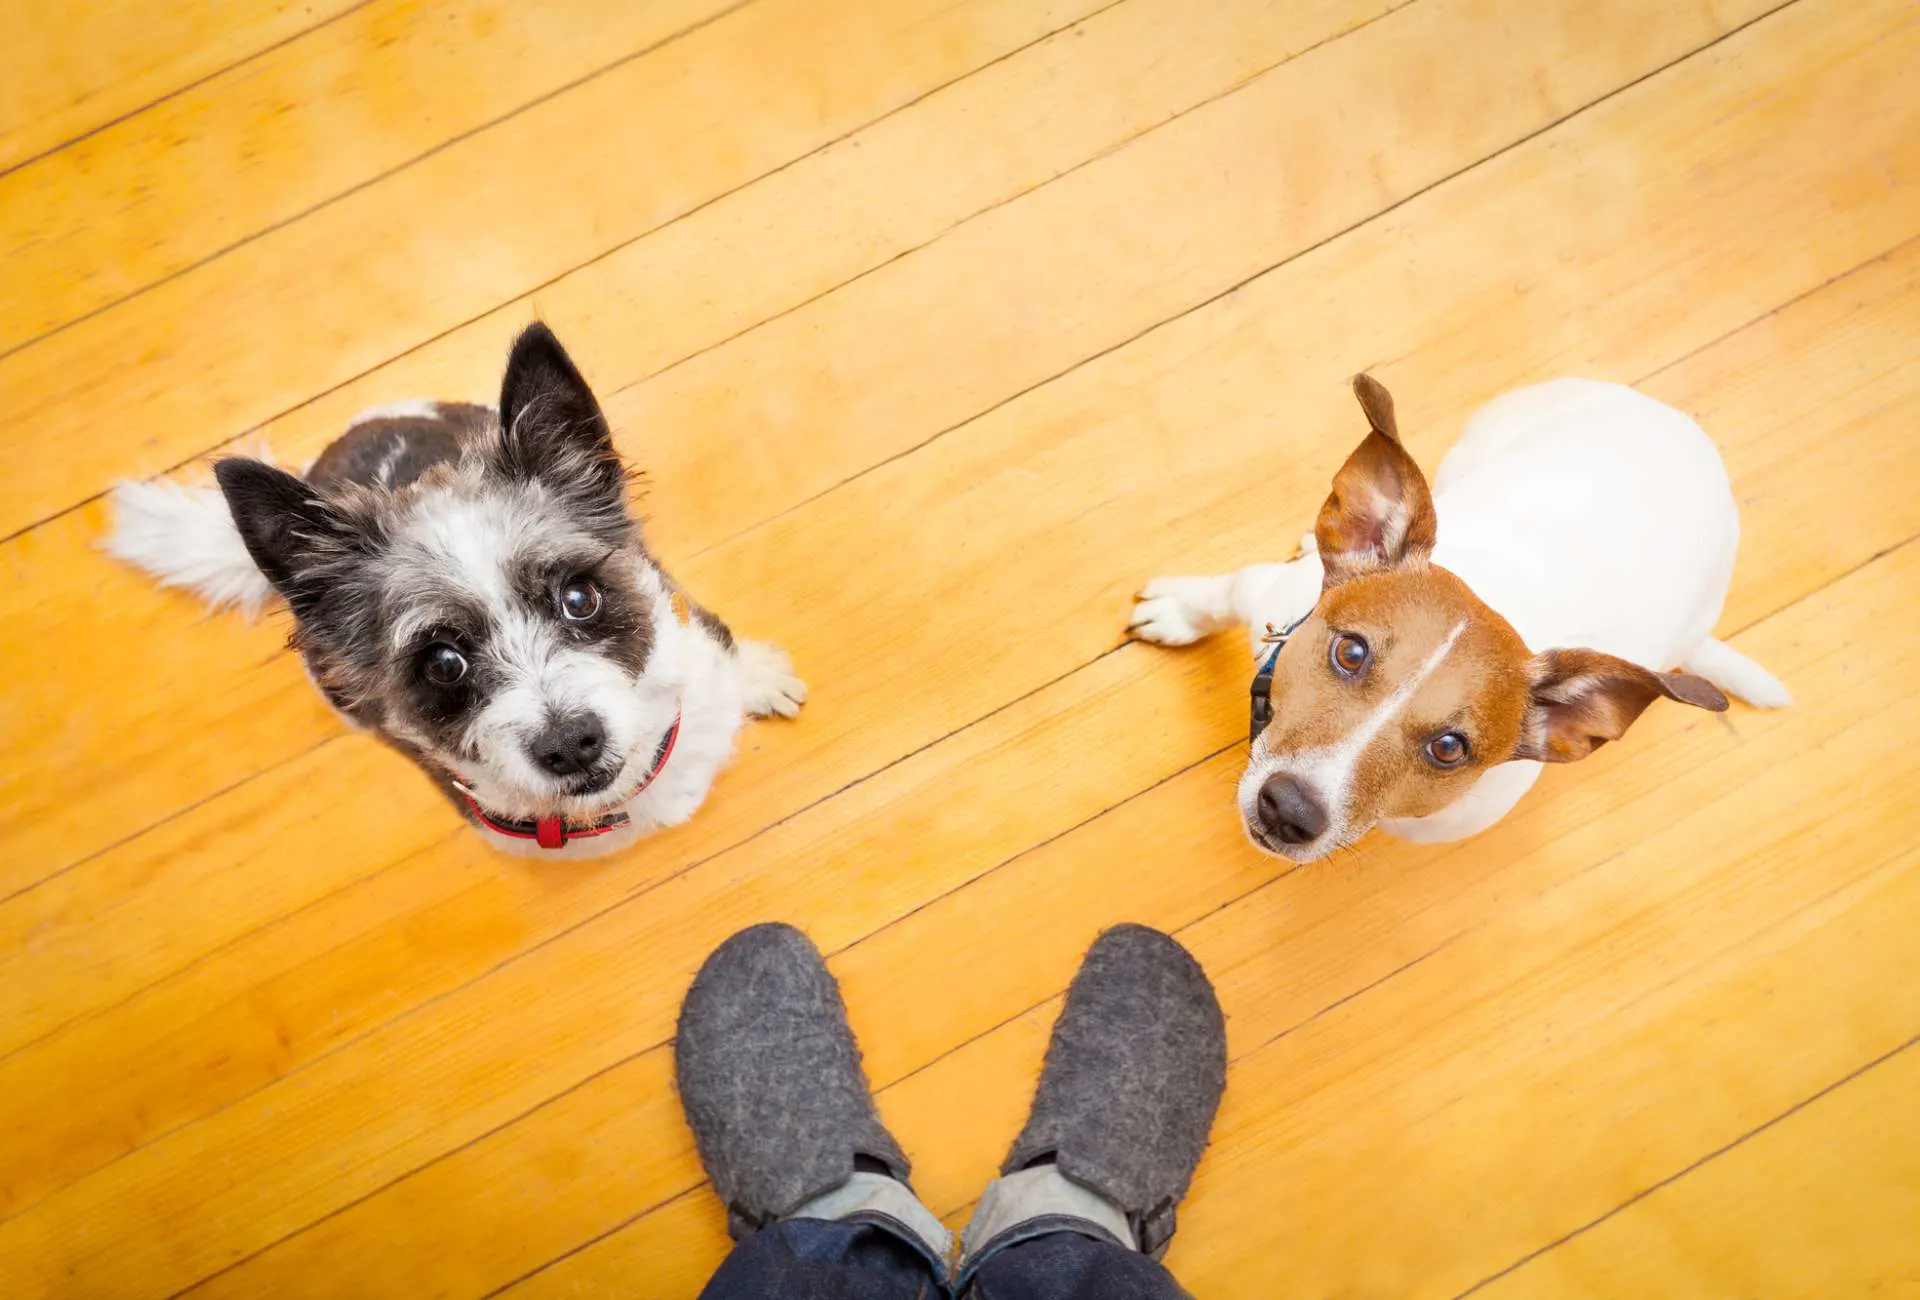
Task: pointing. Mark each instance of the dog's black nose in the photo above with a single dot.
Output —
(570, 744)
(1289, 812)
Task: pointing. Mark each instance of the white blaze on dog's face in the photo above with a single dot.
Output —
(495, 615)
(1403, 687)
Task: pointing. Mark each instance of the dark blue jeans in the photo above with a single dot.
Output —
(855, 1259)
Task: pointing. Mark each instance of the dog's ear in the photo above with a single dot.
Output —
(289, 531)
(1581, 699)
(552, 429)
(1380, 513)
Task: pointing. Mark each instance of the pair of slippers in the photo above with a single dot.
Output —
(769, 1075)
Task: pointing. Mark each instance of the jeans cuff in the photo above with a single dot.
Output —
(1035, 1201)
(1026, 1230)
(887, 1201)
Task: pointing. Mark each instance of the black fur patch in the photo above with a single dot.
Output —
(298, 539)
(393, 452)
(622, 627)
(552, 431)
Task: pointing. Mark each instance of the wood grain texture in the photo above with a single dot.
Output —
(492, 216)
(878, 427)
(940, 327)
(1823, 1201)
(297, 127)
(82, 67)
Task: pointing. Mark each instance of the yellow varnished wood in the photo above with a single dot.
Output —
(221, 162)
(80, 67)
(1085, 91)
(1824, 1202)
(801, 780)
(1365, 331)
(1309, 950)
(492, 216)
(275, 1024)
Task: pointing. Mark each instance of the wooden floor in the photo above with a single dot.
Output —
(939, 325)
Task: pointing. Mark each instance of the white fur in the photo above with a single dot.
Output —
(185, 537)
(1262, 597)
(1736, 674)
(768, 680)
(1585, 513)
(417, 408)
(710, 684)
(718, 689)
(471, 538)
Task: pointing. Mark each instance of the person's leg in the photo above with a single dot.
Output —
(815, 1188)
(1065, 1265)
(1084, 1207)
(827, 1259)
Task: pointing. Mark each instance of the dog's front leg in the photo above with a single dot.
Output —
(1181, 610)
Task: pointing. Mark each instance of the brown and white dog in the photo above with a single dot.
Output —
(1577, 543)
(470, 585)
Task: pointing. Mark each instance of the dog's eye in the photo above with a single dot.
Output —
(443, 665)
(1349, 654)
(579, 601)
(1448, 749)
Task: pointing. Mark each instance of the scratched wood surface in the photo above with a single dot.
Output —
(938, 326)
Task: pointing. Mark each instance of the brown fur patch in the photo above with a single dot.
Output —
(1380, 512)
(1581, 699)
(1478, 689)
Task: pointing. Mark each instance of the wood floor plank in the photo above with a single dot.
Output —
(1304, 953)
(1526, 1096)
(324, 298)
(152, 741)
(1124, 242)
(68, 933)
(68, 823)
(298, 126)
(86, 939)
(1248, 216)
(92, 64)
(1823, 1202)
(1083, 92)
(1145, 234)
(1196, 376)
(349, 959)
(935, 799)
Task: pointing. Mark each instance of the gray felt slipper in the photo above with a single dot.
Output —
(1132, 1079)
(770, 1078)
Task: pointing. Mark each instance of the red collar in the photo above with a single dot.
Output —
(555, 831)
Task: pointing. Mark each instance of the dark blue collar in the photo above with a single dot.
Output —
(1262, 702)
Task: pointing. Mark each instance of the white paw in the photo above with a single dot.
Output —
(767, 680)
(1171, 611)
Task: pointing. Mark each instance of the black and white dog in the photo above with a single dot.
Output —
(473, 588)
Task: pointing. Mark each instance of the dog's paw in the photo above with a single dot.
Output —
(1174, 611)
(767, 680)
